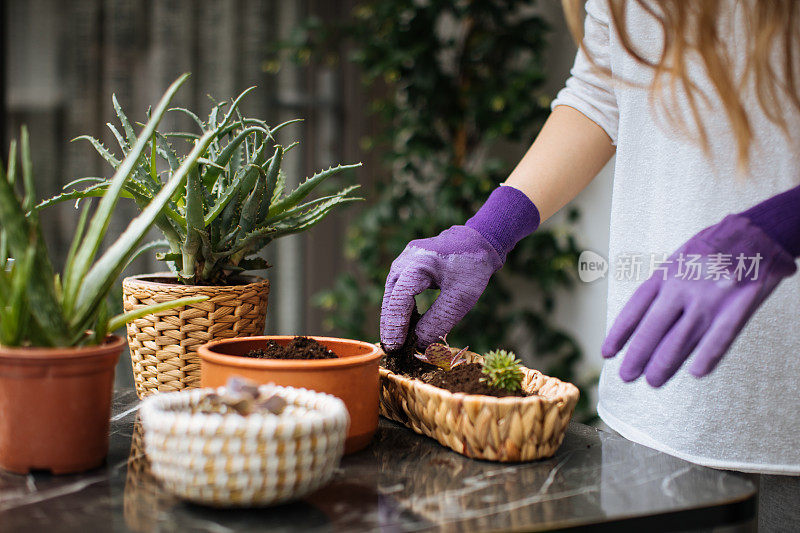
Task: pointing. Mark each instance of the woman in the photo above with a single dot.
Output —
(699, 101)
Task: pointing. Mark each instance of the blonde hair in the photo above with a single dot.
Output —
(691, 28)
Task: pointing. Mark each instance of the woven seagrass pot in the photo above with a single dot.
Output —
(164, 345)
(510, 429)
(232, 460)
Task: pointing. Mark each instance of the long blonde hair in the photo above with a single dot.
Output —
(691, 28)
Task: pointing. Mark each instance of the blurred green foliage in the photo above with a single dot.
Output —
(455, 79)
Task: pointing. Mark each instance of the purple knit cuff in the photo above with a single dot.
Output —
(506, 217)
(779, 217)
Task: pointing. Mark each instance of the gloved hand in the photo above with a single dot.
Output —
(699, 302)
(459, 261)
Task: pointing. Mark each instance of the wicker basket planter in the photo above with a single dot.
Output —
(483, 427)
(232, 460)
(164, 346)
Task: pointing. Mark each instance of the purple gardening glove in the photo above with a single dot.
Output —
(699, 302)
(459, 261)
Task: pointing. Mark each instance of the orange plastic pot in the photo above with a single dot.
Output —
(55, 405)
(353, 377)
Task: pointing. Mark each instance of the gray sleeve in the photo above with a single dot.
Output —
(590, 90)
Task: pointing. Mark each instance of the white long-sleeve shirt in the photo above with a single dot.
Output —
(746, 414)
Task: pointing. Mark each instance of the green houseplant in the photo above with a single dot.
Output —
(233, 205)
(57, 357)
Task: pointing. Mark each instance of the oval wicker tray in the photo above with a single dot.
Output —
(484, 427)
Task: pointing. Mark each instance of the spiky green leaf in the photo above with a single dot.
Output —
(232, 191)
(103, 273)
(101, 149)
(76, 288)
(123, 119)
(118, 321)
(305, 188)
(225, 155)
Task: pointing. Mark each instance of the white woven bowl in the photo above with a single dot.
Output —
(232, 460)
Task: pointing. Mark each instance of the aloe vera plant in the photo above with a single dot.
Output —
(234, 202)
(39, 307)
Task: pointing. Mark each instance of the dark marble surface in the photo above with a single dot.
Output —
(402, 482)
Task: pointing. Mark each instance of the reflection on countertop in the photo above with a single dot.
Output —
(402, 482)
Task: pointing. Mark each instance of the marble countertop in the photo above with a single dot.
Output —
(401, 482)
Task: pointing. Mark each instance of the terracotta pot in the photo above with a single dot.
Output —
(164, 345)
(55, 405)
(353, 377)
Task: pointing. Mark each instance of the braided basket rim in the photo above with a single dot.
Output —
(143, 280)
(159, 413)
(472, 357)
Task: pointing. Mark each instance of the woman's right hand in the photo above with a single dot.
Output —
(459, 261)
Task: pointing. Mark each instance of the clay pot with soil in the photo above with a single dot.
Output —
(490, 407)
(347, 369)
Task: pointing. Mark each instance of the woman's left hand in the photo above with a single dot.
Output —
(698, 301)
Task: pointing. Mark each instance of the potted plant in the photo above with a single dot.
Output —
(233, 205)
(484, 407)
(347, 369)
(57, 355)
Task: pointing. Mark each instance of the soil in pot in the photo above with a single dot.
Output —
(298, 348)
(231, 281)
(402, 360)
(465, 377)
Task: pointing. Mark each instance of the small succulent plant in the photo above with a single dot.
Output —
(440, 354)
(502, 370)
(241, 397)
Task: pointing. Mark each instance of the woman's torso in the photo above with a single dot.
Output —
(666, 188)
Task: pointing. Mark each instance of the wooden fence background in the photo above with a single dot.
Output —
(65, 59)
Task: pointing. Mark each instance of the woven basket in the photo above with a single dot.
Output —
(164, 345)
(233, 460)
(484, 427)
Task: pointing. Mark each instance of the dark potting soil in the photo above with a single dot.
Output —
(298, 348)
(234, 281)
(402, 360)
(466, 378)
(463, 378)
